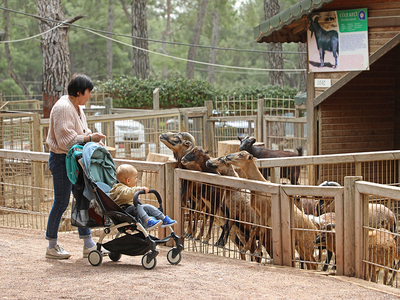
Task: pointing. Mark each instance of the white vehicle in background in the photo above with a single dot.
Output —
(126, 131)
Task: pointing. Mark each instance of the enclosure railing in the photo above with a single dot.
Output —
(194, 198)
(378, 167)
(376, 249)
(26, 188)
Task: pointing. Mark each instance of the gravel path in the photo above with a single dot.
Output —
(26, 274)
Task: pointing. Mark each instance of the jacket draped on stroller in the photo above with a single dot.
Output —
(92, 207)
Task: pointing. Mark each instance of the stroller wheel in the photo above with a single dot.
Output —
(148, 264)
(174, 260)
(95, 258)
(114, 256)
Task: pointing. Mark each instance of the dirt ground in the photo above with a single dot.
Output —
(27, 274)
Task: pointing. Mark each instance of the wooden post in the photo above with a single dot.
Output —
(339, 229)
(177, 205)
(286, 221)
(169, 193)
(349, 241)
(275, 174)
(358, 230)
(37, 167)
(156, 99)
(210, 127)
(260, 117)
(276, 229)
(311, 126)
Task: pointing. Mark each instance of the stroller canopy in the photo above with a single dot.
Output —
(99, 166)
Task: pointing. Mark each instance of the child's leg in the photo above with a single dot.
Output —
(142, 213)
(153, 211)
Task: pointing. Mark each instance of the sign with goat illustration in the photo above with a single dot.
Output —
(338, 41)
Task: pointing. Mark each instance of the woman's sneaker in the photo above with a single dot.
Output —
(167, 222)
(57, 253)
(152, 223)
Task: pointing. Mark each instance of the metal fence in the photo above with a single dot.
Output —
(277, 229)
(26, 191)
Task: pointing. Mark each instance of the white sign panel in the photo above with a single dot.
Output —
(338, 41)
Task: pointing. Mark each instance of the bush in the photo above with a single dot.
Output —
(178, 91)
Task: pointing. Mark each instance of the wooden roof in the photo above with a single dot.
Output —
(288, 26)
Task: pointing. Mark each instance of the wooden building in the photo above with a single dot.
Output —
(360, 111)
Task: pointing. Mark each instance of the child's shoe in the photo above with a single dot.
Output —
(152, 223)
(167, 222)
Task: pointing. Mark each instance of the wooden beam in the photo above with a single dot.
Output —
(383, 21)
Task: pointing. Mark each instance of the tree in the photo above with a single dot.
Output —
(214, 43)
(109, 43)
(13, 75)
(196, 38)
(271, 8)
(138, 20)
(55, 51)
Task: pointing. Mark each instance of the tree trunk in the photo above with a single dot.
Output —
(214, 43)
(165, 33)
(55, 51)
(302, 47)
(271, 8)
(13, 75)
(110, 26)
(141, 65)
(196, 38)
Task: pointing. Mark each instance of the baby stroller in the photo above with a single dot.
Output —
(98, 167)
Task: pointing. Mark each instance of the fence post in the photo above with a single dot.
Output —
(37, 168)
(209, 133)
(260, 117)
(360, 215)
(156, 99)
(349, 240)
(178, 213)
(169, 193)
(286, 223)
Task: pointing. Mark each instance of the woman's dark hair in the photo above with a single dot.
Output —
(79, 83)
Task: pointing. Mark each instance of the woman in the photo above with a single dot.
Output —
(67, 127)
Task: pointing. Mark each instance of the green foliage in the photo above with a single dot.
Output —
(178, 91)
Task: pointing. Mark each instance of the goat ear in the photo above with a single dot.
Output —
(252, 140)
(240, 138)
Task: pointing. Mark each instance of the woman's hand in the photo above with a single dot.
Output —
(96, 137)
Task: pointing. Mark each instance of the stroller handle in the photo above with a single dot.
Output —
(151, 191)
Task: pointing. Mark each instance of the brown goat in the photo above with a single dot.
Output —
(239, 207)
(383, 249)
(292, 173)
(262, 206)
(181, 143)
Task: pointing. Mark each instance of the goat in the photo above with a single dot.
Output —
(195, 160)
(321, 222)
(383, 249)
(326, 40)
(181, 143)
(239, 206)
(213, 198)
(262, 206)
(291, 173)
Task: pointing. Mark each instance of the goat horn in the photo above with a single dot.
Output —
(188, 136)
(314, 17)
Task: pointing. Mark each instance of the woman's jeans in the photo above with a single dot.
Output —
(62, 192)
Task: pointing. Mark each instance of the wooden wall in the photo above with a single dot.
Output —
(363, 115)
